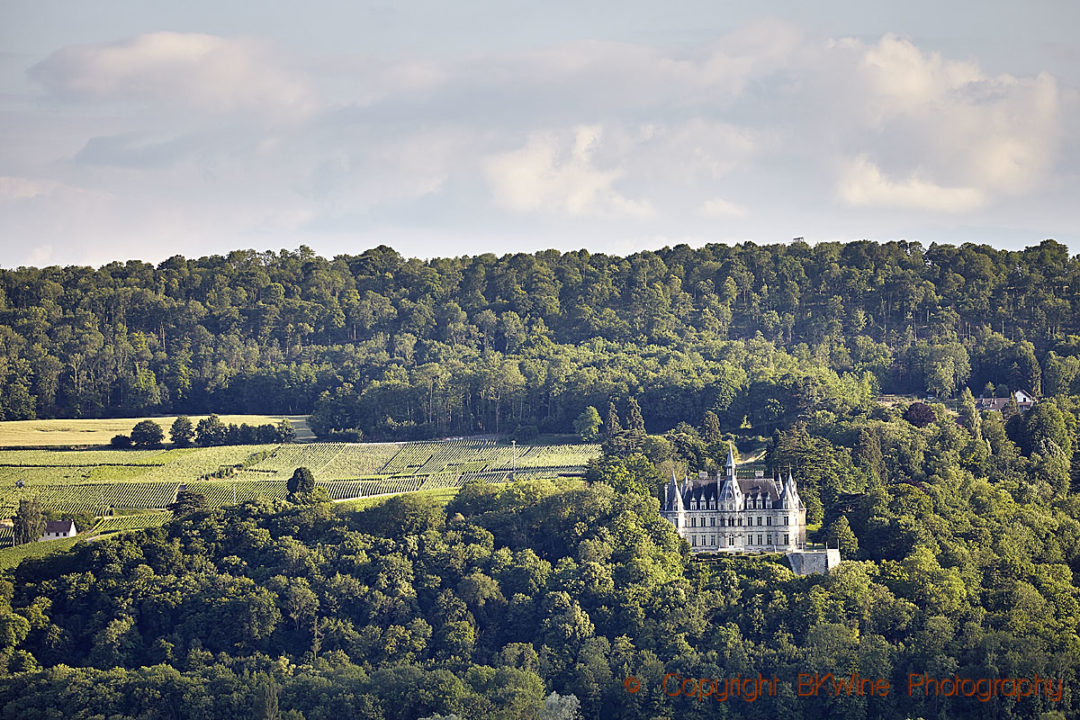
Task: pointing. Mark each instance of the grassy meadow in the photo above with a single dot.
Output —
(98, 432)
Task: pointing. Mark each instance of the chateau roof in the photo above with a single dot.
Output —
(706, 489)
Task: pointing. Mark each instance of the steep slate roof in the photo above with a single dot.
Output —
(58, 526)
(790, 494)
(706, 490)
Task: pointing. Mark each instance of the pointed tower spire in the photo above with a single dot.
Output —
(671, 490)
(790, 495)
(675, 491)
(729, 491)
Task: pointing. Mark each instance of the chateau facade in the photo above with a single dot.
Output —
(735, 514)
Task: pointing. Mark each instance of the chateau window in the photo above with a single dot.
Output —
(676, 522)
(785, 519)
(768, 539)
(768, 520)
(759, 540)
(712, 522)
(731, 542)
(759, 521)
(693, 540)
(786, 540)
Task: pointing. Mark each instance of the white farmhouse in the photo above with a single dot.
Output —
(59, 529)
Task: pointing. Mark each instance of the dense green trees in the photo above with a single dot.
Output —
(212, 431)
(187, 502)
(485, 608)
(302, 481)
(147, 433)
(588, 424)
(182, 432)
(534, 600)
(29, 523)
(387, 347)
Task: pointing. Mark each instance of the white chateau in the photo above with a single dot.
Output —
(737, 514)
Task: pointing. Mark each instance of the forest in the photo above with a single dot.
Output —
(535, 600)
(383, 347)
(539, 599)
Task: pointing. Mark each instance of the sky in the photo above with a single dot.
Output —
(142, 130)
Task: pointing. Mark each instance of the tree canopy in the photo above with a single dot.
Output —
(385, 347)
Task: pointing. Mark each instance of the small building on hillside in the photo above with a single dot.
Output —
(810, 562)
(59, 529)
(1024, 402)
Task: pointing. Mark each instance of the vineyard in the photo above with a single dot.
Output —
(100, 481)
(132, 522)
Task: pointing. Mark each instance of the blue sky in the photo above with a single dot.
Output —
(147, 129)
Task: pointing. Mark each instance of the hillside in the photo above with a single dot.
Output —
(406, 610)
(407, 349)
(494, 587)
(100, 481)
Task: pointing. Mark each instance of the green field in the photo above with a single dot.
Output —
(441, 496)
(128, 489)
(12, 556)
(105, 481)
(84, 433)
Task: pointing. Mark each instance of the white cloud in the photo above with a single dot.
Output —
(20, 188)
(203, 72)
(718, 208)
(862, 184)
(958, 136)
(221, 141)
(903, 79)
(546, 175)
(645, 73)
